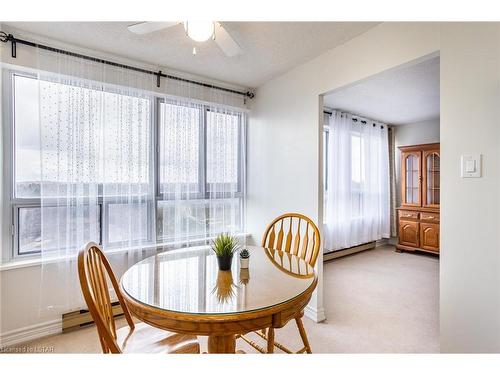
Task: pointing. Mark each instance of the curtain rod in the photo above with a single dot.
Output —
(356, 120)
(4, 37)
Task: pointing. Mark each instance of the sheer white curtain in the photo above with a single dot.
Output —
(96, 167)
(133, 167)
(201, 165)
(130, 168)
(357, 207)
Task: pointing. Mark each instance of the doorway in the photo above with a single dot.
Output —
(367, 215)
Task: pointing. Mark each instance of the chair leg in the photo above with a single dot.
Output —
(303, 334)
(270, 340)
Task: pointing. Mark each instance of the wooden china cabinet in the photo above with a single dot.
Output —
(418, 215)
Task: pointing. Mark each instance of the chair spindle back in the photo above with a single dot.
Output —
(295, 234)
(93, 267)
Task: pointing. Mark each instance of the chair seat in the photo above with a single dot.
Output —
(148, 339)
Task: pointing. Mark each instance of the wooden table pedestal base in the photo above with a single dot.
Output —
(222, 344)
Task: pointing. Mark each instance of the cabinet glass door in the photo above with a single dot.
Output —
(412, 178)
(431, 181)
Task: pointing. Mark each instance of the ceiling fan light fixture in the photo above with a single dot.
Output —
(200, 31)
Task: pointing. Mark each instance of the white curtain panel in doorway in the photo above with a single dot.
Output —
(358, 195)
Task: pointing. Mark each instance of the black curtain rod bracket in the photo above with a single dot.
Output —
(4, 38)
(158, 79)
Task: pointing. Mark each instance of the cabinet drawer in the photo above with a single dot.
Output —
(408, 215)
(430, 217)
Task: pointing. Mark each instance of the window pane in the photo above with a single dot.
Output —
(179, 142)
(60, 231)
(356, 203)
(127, 222)
(357, 159)
(225, 215)
(30, 231)
(325, 160)
(125, 139)
(177, 220)
(357, 174)
(27, 137)
(222, 150)
(126, 145)
(198, 218)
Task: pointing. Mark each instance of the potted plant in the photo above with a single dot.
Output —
(244, 258)
(224, 247)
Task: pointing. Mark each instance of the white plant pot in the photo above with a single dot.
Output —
(244, 262)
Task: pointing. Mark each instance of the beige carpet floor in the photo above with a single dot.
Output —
(377, 301)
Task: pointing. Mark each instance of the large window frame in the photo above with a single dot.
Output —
(203, 190)
(203, 193)
(13, 204)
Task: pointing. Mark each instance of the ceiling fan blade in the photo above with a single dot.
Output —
(149, 27)
(226, 43)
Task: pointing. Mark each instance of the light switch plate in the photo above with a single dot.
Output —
(470, 166)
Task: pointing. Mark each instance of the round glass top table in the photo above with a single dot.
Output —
(184, 292)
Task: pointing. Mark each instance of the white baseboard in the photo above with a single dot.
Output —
(25, 334)
(316, 315)
(355, 249)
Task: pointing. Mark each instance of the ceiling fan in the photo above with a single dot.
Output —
(199, 31)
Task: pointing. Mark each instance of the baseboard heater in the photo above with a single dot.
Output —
(82, 318)
(351, 250)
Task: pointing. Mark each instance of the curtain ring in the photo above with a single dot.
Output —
(4, 37)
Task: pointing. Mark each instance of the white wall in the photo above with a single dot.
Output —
(470, 215)
(284, 159)
(417, 133)
(412, 134)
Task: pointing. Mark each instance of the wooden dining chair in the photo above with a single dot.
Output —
(93, 267)
(295, 234)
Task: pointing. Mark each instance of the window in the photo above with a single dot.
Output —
(100, 218)
(179, 131)
(27, 138)
(357, 173)
(358, 188)
(326, 133)
(357, 170)
(211, 200)
(222, 150)
(55, 231)
(200, 171)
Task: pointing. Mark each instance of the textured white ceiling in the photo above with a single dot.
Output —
(399, 96)
(269, 48)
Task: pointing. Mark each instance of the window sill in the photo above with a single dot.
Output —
(33, 262)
